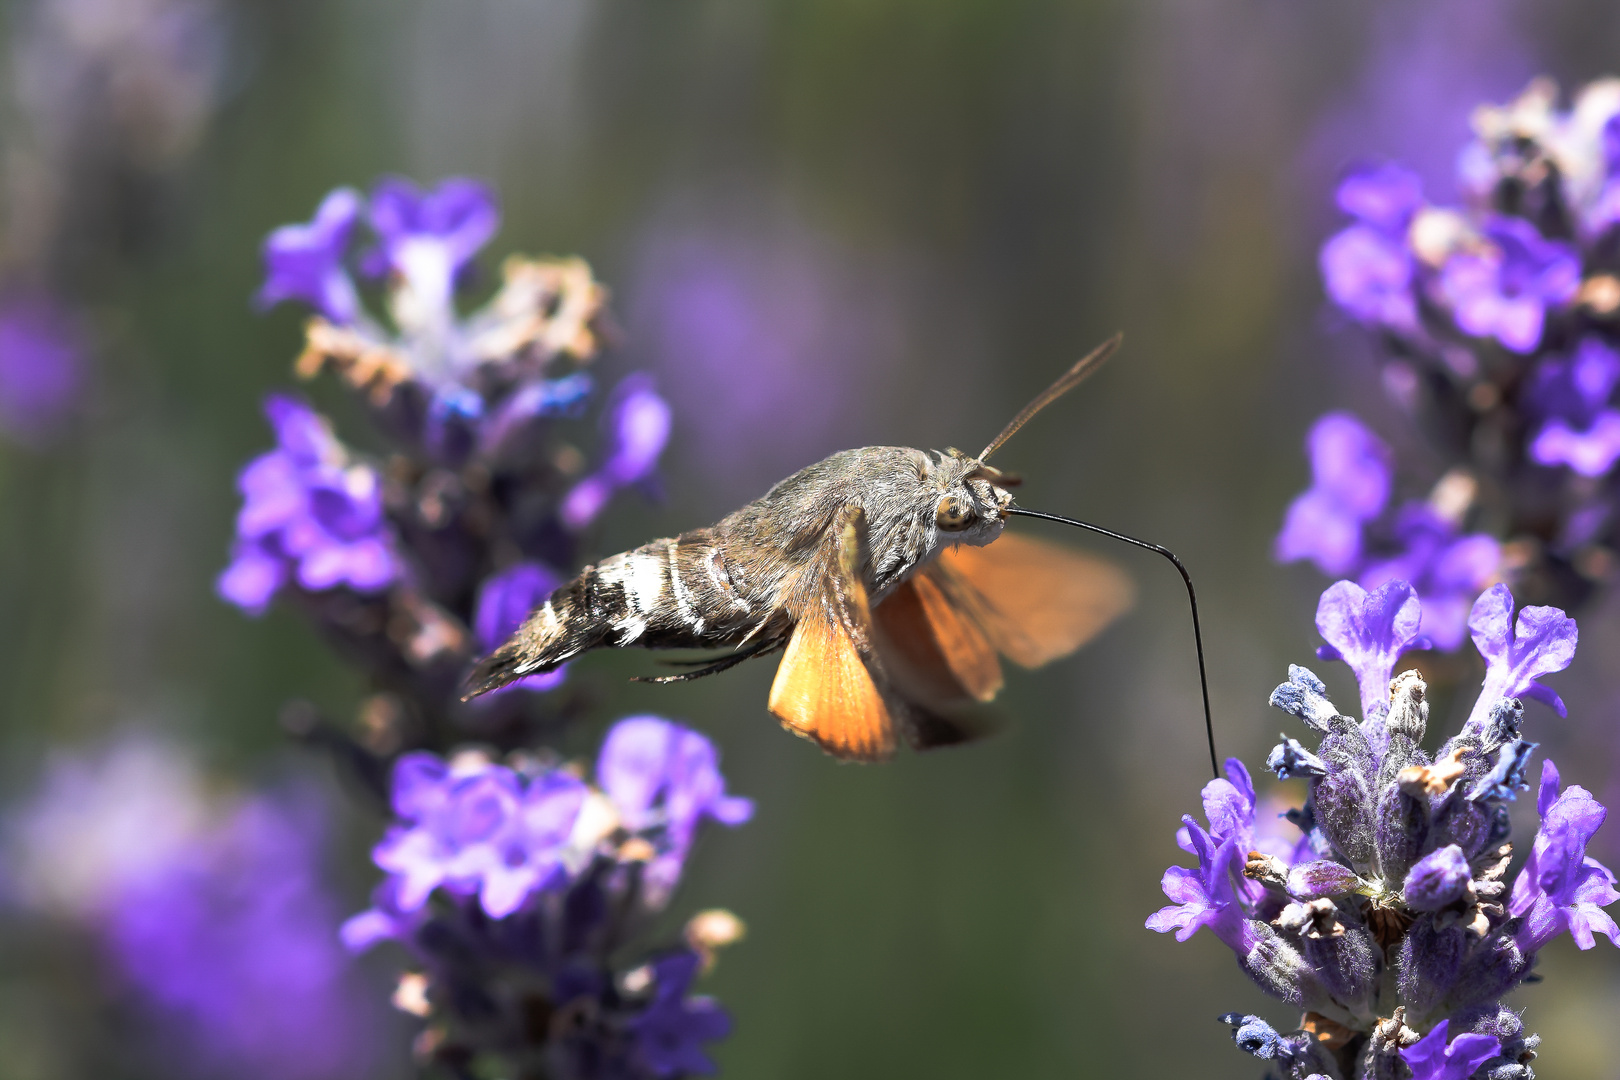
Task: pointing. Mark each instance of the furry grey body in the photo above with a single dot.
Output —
(742, 582)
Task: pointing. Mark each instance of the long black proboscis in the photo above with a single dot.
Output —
(1192, 599)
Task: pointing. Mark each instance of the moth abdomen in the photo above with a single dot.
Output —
(662, 595)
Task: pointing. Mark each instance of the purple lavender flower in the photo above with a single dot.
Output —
(1448, 570)
(237, 948)
(637, 422)
(1214, 894)
(1516, 654)
(1368, 268)
(1504, 288)
(306, 262)
(670, 1034)
(1560, 887)
(1581, 432)
(308, 516)
(1369, 632)
(1391, 925)
(667, 777)
(477, 828)
(430, 236)
(538, 878)
(504, 601)
(1431, 1058)
(42, 372)
(1477, 306)
(1351, 469)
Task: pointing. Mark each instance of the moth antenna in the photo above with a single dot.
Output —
(1192, 597)
(1066, 382)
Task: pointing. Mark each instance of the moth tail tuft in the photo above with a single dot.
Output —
(504, 665)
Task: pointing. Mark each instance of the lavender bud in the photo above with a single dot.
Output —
(1503, 726)
(1439, 879)
(1506, 780)
(1323, 878)
(1290, 759)
(1312, 919)
(1305, 696)
(1408, 709)
(1254, 1036)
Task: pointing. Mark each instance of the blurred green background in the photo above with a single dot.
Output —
(931, 208)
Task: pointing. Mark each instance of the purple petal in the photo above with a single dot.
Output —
(1541, 642)
(508, 598)
(1369, 274)
(1384, 195)
(1370, 631)
(305, 262)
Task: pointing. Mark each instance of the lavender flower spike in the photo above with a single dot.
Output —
(1369, 631)
(1561, 887)
(1389, 922)
(1540, 642)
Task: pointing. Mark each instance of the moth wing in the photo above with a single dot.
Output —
(1035, 601)
(934, 648)
(824, 688)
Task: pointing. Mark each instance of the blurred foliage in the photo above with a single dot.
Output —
(1015, 180)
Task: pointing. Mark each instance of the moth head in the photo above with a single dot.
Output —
(969, 499)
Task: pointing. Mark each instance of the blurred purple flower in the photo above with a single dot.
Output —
(637, 420)
(308, 515)
(1582, 432)
(306, 262)
(1448, 571)
(1369, 631)
(429, 237)
(660, 774)
(1351, 470)
(1504, 289)
(218, 916)
(780, 336)
(42, 370)
(1368, 268)
(1561, 887)
(504, 602)
(237, 946)
(1431, 1058)
(478, 829)
(670, 1034)
(1542, 641)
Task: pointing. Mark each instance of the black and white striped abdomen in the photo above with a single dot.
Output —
(669, 594)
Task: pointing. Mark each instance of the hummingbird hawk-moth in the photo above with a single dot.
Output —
(884, 576)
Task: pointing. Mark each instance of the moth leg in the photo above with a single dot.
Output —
(714, 667)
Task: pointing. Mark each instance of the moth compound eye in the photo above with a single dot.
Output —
(951, 515)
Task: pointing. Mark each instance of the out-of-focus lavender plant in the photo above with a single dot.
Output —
(42, 368)
(418, 561)
(522, 893)
(1389, 920)
(517, 889)
(213, 908)
(1498, 332)
(104, 99)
